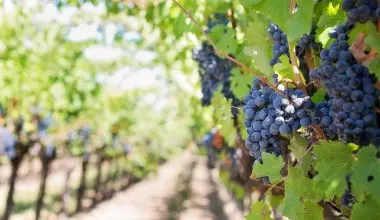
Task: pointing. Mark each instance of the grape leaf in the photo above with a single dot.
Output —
(373, 40)
(284, 69)
(259, 211)
(258, 46)
(240, 83)
(300, 196)
(251, 2)
(367, 210)
(275, 200)
(333, 162)
(319, 96)
(243, 131)
(222, 112)
(224, 38)
(298, 146)
(180, 25)
(374, 66)
(222, 107)
(366, 172)
(275, 11)
(271, 167)
(297, 183)
(300, 22)
(313, 211)
(324, 38)
(291, 206)
(332, 15)
(369, 28)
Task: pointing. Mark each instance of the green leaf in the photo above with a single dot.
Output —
(298, 145)
(222, 112)
(373, 40)
(222, 107)
(369, 28)
(332, 16)
(243, 131)
(259, 211)
(300, 196)
(319, 96)
(251, 2)
(333, 162)
(224, 38)
(297, 183)
(300, 22)
(284, 69)
(366, 172)
(275, 200)
(240, 83)
(180, 25)
(324, 38)
(259, 46)
(367, 210)
(271, 167)
(374, 66)
(313, 211)
(291, 206)
(275, 11)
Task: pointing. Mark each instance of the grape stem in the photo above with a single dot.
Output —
(292, 6)
(294, 63)
(309, 59)
(226, 56)
(304, 155)
(275, 186)
(377, 110)
(318, 131)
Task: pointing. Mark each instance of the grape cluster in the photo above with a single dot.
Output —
(269, 115)
(361, 10)
(351, 89)
(322, 116)
(280, 46)
(307, 43)
(214, 71)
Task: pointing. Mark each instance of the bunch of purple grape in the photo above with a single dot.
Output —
(268, 115)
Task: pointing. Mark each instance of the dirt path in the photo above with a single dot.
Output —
(183, 189)
(146, 200)
(209, 199)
